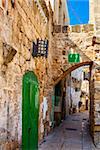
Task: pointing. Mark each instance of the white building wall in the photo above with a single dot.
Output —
(77, 73)
(71, 94)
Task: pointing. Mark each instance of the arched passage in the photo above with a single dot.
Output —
(58, 87)
(30, 111)
(90, 63)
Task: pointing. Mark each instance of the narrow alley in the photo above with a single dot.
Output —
(72, 134)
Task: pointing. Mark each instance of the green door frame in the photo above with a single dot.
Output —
(52, 111)
(30, 111)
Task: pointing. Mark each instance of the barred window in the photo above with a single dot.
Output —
(40, 48)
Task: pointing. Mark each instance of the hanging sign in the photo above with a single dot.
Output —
(74, 58)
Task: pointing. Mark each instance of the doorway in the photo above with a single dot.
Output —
(30, 111)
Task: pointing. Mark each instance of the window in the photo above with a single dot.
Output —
(40, 49)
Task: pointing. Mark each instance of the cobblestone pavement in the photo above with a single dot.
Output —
(72, 134)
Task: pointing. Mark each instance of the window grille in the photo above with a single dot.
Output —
(40, 49)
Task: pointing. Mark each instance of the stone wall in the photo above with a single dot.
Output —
(97, 16)
(19, 28)
(94, 15)
(97, 107)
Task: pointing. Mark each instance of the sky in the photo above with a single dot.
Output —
(78, 11)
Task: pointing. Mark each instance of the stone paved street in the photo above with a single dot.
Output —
(72, 134)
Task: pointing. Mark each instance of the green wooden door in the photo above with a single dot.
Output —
(30, 112)
(52, 111)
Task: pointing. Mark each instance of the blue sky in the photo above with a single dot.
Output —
(78, 11)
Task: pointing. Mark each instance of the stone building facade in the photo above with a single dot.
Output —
(21, 24)
(95, 15)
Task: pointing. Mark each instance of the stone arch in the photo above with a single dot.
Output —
(70, 69)
(91, 85)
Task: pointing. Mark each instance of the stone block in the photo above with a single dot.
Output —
(97, 96)
(21, 60)
(88, 27)
(97, 84)
(57, 29)
(11, 145)
(21, 12)
(76, 28)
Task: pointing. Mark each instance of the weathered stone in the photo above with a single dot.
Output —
(76, 28)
